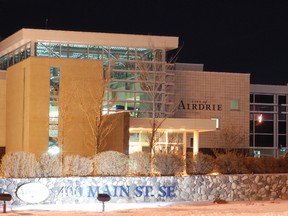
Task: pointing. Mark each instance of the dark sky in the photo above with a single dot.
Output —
(224, 35)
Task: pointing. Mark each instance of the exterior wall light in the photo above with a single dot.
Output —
(260, 118)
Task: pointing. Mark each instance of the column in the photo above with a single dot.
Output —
(195, 142)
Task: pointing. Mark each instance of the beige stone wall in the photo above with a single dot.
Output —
(2, 111)
(206, 95)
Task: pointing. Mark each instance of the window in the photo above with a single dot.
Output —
(264, 99)
(234, 104)
(54, 108)
(264, 140)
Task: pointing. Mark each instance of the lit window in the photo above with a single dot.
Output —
(234, 105)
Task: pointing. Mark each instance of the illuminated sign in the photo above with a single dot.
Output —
(32, 192)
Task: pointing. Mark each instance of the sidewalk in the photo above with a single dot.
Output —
(267, 208)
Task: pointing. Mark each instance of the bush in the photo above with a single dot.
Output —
(267, 165)
(75, 165)
(253, 166)
(111, 163)
(230, 163)
(139, 163)
(20, 165)
(168, 163)
(201, 164)
(50, 165)
(283, 165)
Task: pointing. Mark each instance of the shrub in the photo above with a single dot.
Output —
(199, 164)
(50, 165)
(252, 165)
(267, 165)
(139, 163)
(168, 163)
(111, 163)
(230, 163)
(283, 165)
(75, 165)
(20, 165)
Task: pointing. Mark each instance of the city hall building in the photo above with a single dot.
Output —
(56, 85)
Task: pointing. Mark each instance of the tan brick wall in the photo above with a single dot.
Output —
(118, 138)
(2, 112)
(28, 115)
(218, 89)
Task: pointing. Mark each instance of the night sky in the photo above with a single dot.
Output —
(224, 35)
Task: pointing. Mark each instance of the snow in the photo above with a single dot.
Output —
(263, 208)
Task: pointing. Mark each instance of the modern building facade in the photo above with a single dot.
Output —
(268, 120)
(50, 85)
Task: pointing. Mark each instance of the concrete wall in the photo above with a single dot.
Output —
(206, 95)
(28, 93)
(84, 190)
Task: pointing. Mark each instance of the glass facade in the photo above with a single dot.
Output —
(140, 81)
(268, 114)
(54, 108)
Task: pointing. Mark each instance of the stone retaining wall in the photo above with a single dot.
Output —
(146, 189)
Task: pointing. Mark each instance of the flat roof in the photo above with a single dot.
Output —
(25, 35)
(272, 89)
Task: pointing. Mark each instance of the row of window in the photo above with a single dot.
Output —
(58, 50)
(267, 98)
(268, 124)
(14, 57)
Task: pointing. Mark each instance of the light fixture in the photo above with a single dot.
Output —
(54, 150)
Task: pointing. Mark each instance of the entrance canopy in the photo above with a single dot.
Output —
(196, 126)
(174, 124)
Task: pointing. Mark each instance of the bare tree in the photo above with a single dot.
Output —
(153, 79)
(232, 138)
(100, 124)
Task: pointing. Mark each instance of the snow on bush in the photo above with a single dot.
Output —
(20, 165)
(111, 163)
(75, 165)
(139, 163)
(199, 164)
(50, 165)
(168, 163)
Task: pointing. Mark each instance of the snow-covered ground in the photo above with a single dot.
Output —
(262, 208)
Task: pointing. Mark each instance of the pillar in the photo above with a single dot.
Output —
(195, 142)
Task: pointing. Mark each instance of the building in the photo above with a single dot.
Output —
(51, 82)
(268, 120)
